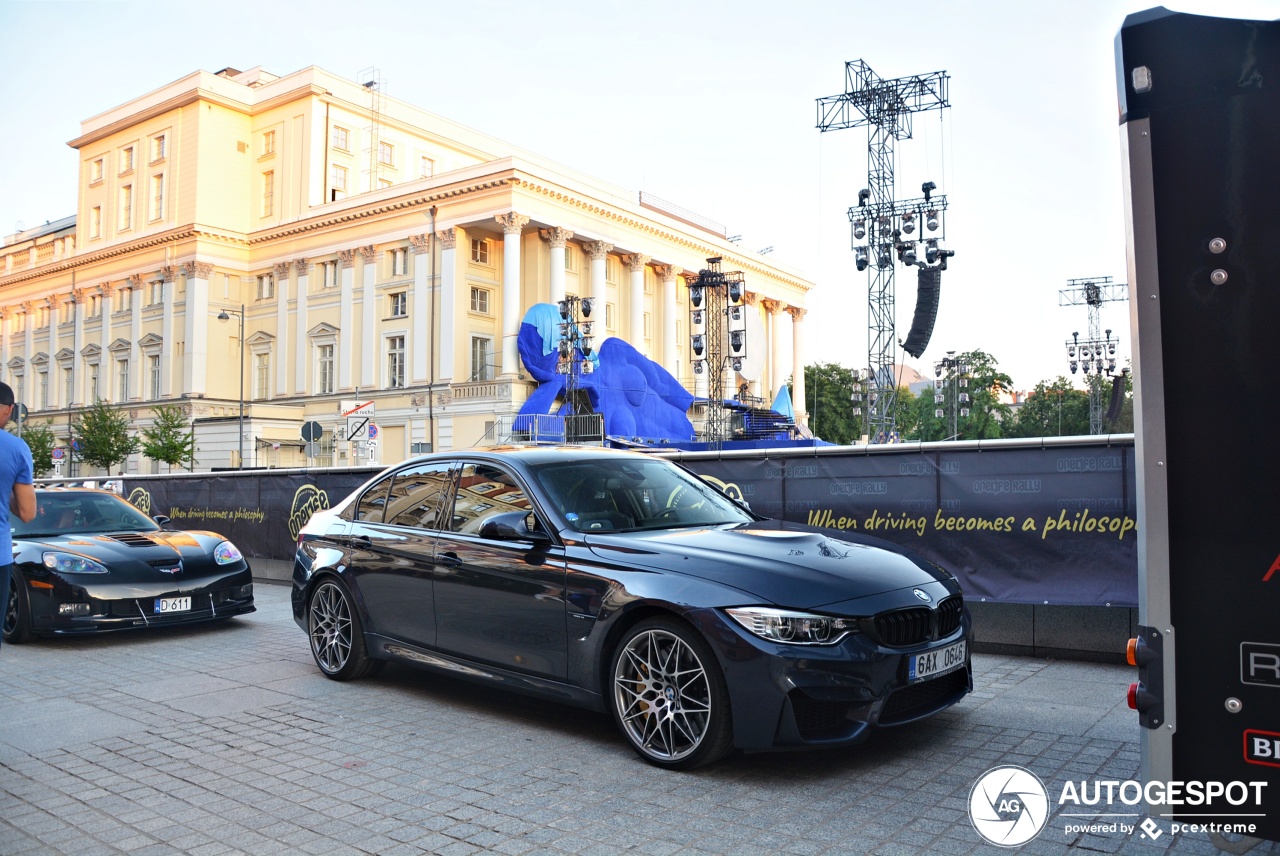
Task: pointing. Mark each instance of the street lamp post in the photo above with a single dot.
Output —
(225, 315)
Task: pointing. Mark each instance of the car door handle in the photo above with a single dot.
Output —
(449, 560)
(362, 541)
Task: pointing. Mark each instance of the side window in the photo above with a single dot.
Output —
(416, 496)
(483, 491)
(371, 505)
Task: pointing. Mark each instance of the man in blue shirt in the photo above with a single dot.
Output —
(15, 485)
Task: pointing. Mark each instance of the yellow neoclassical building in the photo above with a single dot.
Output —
(357, 249)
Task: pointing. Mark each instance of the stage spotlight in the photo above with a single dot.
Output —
(700, 345)
(860, 228)
(863, 195)
(909, 253)
(931, 251)
(860, 257)
(927, 189)
(564, 309)
(588, 303)
(695, 296)
(931, 221)
(908, 223)
(736, 292)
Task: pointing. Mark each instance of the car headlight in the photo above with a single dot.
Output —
(793, 628)
(70, 563)
(226, 553)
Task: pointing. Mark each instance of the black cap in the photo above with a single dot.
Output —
(6, 395)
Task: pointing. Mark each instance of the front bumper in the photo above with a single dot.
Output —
(792, 696)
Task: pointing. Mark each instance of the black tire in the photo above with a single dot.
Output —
(17, 612)
(669, 697)
(337, 638)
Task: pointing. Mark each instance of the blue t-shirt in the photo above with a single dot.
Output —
(15, 468)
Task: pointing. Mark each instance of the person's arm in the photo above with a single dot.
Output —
(23, 502)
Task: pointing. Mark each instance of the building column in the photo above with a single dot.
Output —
(448, 299)
(29, 348)
(635, 264)
(512, 226)
(195, 368)
(5, 314)
(303, 269)
(106, 371)
(421, 330)
(369, 345)
(557, 238)
(168, 285)
(667, 317)
(772, 309)
(346, 314)
(599, 251)
(281, 383)
(137, 374)
(77, 344)
(797, 364)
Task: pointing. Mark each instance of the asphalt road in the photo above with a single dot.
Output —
(226, 739)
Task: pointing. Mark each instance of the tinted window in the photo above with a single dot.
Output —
(483, 491)
(416, 496)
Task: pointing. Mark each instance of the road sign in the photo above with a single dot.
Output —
(59, 453)
(311, 431)
(358, 415)
(357, 427)
(57, 468)
(373, 432)
(312, 449)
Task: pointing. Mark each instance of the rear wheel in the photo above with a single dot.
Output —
(17, 612)
(669, 696)
(337, 639)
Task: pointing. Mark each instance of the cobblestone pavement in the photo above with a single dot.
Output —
(226, 739)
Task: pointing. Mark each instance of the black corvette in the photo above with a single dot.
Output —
(621, 582)
(90, 561)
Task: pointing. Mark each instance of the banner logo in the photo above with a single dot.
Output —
(307, 501)
(140, 499)
(1008, 806)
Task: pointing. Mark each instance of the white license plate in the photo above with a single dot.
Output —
(939, 661)
(173, 604)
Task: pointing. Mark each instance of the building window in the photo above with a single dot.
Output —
(156, 292)
(609, 314)
(324, 370)
(20, 387)
(126, 207)
(266, 286)
(340, 137)
(395, 362)
(480, 251)
(338, 178)
(95, 171)
(570, 258)
(95, 221)
(426, 167)
(157, 197)
(480, 300)
(43, 403)
(268, 192)
(386, 154)
(126, 160)
(399, 262)
(94, 372)
(399, 304)
(329, 274)
(153, 376)
(481, 358)
(269, 143)
(261, 376)
(648, 325)
(610, 269)
(122, 380)
(95, 305)
(68, 385)
(157, 148)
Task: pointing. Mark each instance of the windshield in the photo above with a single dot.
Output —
(84, 513)
(631, 494)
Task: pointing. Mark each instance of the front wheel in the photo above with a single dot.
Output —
(337, 639)
(17, 612)
(669, 696)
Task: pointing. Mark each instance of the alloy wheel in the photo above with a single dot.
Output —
(662, 695)
(331, 627)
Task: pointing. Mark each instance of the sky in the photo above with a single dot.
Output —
(706, 104)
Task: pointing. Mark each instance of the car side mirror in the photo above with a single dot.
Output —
(515, 526)
(162, 519)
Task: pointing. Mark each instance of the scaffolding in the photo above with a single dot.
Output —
(371, 80)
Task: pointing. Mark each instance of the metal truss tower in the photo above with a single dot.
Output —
(1095, 354)
(717, 321)
(885, 108)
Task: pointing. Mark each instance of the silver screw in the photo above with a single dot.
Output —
(1217, 245)
(1218, 277)
(1233, 705)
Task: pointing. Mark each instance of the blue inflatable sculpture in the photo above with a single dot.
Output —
(637, 397)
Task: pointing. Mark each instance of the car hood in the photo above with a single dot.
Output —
(127, 546)
(787, 567)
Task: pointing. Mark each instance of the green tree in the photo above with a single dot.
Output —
(1052, 409)
(988, 415)
(40, 439)
(102, 433)
(170, 437)
(828, 390)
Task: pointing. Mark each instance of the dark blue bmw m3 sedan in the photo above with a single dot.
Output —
(622, 582)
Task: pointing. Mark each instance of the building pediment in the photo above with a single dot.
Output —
(91, 351)
(323, 329)
(16, 363)
(40, 360)
(65, 354)
(151, 340)
(260, 338)
(119, 346)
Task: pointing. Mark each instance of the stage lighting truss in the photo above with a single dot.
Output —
(913, 230)
(1092, 356)
(575, 346)
(951, 376)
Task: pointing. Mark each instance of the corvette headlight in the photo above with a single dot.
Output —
(226, 553)
(70, 563)
(793, 628)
